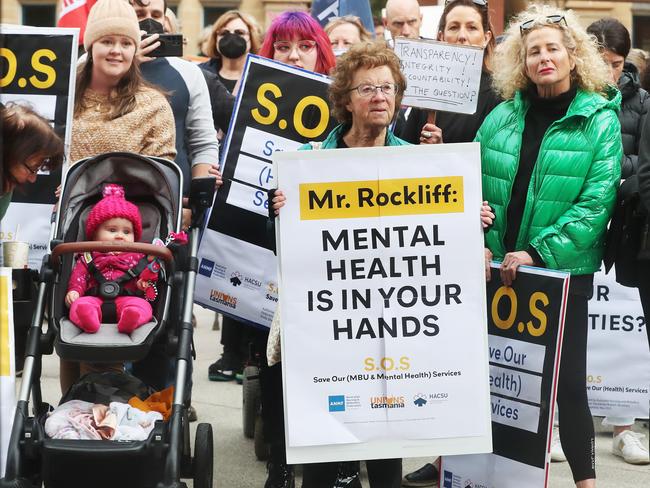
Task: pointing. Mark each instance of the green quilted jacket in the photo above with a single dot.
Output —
(572, 191)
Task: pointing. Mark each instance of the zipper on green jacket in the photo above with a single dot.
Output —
(532, 185)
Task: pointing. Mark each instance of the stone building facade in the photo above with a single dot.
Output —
(195, 14)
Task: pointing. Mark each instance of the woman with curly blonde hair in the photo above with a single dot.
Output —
(551, 158)
(590, 73)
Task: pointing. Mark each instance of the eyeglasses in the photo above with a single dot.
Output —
(44, 166)
(480, 3)
(367, 90)
(237, 32)
(551, 19)
(285, 47)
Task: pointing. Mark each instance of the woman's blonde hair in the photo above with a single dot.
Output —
(364, 35)
(362, 55)
(590, 72)
(220, 23)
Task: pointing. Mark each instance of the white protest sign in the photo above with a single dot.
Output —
(7, 367)
(430, 19)
(382, 303)
(618, 358)
(440, 76)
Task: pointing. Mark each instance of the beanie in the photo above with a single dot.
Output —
(113, 205)
(111, 17)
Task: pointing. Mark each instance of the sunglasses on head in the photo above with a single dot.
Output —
(551, 19)
(479, 3)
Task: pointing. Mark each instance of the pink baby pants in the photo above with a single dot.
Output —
(132, 312)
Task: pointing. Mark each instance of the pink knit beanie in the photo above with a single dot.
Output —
(111, 18)
(113, 205)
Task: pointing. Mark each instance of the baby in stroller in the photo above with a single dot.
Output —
(112, 286)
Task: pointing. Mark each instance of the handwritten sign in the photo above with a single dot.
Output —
(440, 76)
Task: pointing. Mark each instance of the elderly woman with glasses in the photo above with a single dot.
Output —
(29, 145)
(366, 89)
(551, 157)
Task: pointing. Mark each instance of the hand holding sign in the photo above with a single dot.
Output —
(511, 262)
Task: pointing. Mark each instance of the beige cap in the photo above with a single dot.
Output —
(111, 17)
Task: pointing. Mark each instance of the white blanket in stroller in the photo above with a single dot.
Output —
(77, 419)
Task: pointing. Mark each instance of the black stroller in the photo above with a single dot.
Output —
(165, 457)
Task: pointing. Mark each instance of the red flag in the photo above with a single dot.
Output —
(74, 13)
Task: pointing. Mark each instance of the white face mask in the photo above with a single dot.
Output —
(339, 51)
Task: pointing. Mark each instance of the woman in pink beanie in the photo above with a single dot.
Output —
(112, 219)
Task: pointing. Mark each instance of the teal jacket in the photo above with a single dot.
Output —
(332, 140)
(572, 191)
(5, 200)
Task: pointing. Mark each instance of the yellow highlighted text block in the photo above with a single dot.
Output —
(5, 366)
(374, 198)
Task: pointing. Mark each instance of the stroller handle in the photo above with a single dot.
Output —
(100, 246)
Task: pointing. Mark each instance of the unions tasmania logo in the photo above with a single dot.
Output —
(223, 298)
(387, 401)
(336, 403)
(206, 267)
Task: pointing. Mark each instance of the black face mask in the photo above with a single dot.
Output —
(151, 26)
(232, 46)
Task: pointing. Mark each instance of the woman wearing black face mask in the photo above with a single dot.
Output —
(234, 35)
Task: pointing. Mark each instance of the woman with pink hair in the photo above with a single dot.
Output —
(297, 39)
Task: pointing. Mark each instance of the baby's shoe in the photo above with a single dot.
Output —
(86, 317)
(130, 319)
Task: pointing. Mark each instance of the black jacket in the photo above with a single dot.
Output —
(222, 101)
(455, 127)
(626, 230)
(634, 109)
(213, 65)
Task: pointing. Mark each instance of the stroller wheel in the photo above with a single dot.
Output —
(251, 399)
(203, 456)
(262, 450)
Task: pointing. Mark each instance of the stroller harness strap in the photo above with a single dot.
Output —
(109, 290)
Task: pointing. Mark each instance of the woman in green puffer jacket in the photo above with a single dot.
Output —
(551, 164)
